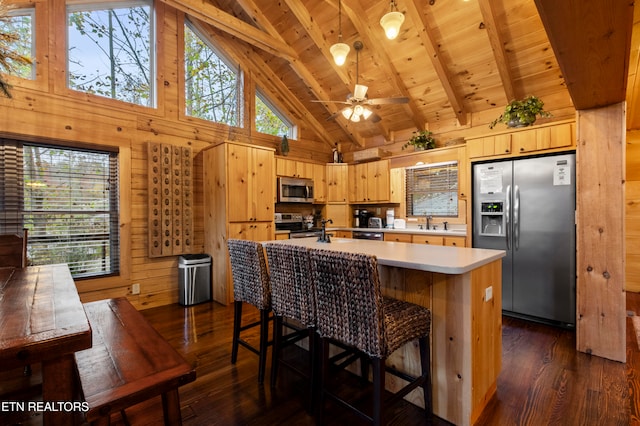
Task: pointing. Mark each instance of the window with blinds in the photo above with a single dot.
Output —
(68, 200)
(432, 189)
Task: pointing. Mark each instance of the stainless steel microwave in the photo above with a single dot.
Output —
(294, 190)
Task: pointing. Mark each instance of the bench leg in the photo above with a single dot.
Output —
(171, 408)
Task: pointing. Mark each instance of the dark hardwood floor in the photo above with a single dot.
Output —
(543, 381)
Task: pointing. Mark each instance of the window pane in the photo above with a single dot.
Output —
(211, 85)
(19, 23)
(70, 209)
(432, 190)
(269, 120)
(110, 51)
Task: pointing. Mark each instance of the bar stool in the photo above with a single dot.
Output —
(292, 297)
(250, 285)
(351, 309)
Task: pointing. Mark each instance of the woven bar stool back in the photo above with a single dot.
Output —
(351, 309)
(250, 285)
(293, 298)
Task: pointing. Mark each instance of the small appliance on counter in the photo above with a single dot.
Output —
(399, 224)
(375, 222)
(363, 218)
(391, 214)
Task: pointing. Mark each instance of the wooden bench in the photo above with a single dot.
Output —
(128, 363)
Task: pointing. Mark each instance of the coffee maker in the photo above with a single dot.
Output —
(391, 215)
(363, 217)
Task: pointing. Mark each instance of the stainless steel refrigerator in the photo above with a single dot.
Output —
(527, 208)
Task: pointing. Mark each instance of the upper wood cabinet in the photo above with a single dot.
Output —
(369, 182)
(523, 141)
(337, 181)
(396, 177)
(251, 184)
(294, 168)
(319, 183)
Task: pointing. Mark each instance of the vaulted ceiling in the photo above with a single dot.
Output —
(459, 62)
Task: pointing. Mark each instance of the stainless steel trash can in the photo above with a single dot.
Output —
(195, 278)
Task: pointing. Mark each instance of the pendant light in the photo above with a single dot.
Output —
(339, 50)
(392, 21)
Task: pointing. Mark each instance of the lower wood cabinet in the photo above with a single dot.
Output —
(400, 238)
(342, 234)
(434, 240)
(455, 241)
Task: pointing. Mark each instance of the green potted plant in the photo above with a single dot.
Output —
(421, 140)
(521, 113)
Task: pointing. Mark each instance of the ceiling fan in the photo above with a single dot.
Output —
(357, 102)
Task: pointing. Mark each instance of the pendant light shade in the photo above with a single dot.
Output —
(391, 22)
(339, 52)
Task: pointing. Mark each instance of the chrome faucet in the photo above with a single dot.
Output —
(429, 219)
(324, 237)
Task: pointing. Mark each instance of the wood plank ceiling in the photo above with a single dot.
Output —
(453, 59)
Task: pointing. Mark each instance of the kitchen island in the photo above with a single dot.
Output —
(462, 287)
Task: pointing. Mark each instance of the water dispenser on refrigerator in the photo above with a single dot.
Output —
(492, 218)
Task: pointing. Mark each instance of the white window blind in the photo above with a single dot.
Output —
(432, 189)
(69, 203)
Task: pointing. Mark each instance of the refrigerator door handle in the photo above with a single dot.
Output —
(508, 217)
(516, 218)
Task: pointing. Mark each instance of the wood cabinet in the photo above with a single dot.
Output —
(544, 138)
(490, 146)
(369, 182)
(434, 240)
(523, 141)
(401, 238)
(319, 183)
(343, 234)
(239, 197)
(337, 181)
(396, 177)
(340, 214)
(294, 168)
(455, 241)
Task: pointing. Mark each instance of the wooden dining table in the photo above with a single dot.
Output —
(42, 320)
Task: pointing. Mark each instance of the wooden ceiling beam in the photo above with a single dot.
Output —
(591, 40)
(208, 13)
(372, 38)
(428, 40)
(497, 45)
(304, 18)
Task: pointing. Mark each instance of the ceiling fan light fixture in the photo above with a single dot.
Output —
(366, 113)
(391, 22)
(347, 113)
(339, 52)
(360, 92)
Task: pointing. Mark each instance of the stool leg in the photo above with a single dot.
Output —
(277, 347)
(425, 363)
(264, 343)
(237, 323)
(378, 390)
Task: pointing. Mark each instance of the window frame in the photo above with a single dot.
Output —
(15, 216)
(194, 28)
(89, 6)
(453, 212)
(293, 129)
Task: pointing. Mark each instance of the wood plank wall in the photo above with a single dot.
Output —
(632, 212)
(45, 110)
(600, 173)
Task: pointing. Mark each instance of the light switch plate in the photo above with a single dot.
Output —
(135, 288)
(488, 293)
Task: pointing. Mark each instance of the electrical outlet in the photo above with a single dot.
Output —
(488, 293)
(135, 288)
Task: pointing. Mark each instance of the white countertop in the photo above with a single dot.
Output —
(441, 259)
(459, 232)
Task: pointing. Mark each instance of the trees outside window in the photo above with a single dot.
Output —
(17, 44)
(110, 50)
(271, 121)
(211, 83)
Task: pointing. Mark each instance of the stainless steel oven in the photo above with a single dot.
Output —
(293, 190)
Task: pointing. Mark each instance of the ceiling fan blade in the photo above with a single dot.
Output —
(331, 102)
(388, 101)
